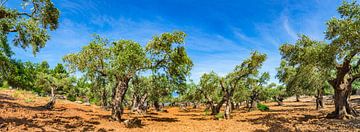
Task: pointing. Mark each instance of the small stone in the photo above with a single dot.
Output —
(79, 102)
(87, 104)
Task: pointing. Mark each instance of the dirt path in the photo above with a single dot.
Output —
(20, 111)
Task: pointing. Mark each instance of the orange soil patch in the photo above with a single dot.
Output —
(20, 111)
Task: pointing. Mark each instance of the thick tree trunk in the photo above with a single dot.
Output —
(253, 102)
(51, 103)
(156, 105)
(228, 109)
(342, 88)
(118, 98)
(279, 100)
(215, 109)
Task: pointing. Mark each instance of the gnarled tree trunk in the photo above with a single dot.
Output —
(228, 109)
(342, 88)
(118, 98)
(51, 103)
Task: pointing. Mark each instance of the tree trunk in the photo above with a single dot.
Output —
(194, 105)
(215, 109)
(343, 108)
(228, 108)
(297, 98)
(253, 102)
(141, 108)
(104, 94)
(134, 103)
(118, 98)
(156, 105)
(280, 100)
(253, 105)
(319, 99)
(51, 103)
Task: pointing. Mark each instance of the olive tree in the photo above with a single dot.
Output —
(122, 60)
(339, 59)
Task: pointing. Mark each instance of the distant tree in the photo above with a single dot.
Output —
(257, 86)
(222, 89)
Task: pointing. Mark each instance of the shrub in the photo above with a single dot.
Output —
(219, 116)
(28, 100)
(262, 107)
(71, 97)
(207, 112)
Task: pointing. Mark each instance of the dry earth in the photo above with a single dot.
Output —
(20, 111)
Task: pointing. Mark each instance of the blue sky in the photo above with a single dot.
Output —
(221, 33)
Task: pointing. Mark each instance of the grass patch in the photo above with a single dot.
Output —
(207, 112)
(219, 116)
(28, 100)
(262, 107)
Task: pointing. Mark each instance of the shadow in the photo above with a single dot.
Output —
(82, 110)
(18, 122)
(152, 113)
(99, 116)
(274, 123)
(294, 106)
(199, 119)
(192, 115)
(6, 97)
(161, 119)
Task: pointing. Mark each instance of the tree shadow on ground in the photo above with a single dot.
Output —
(277, 123)
(5, 123)
(6, 100)
(160, 119)
(191, 115)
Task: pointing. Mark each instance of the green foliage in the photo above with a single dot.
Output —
(219, 116)
(30, 26)
(28, 100)
(262, 107)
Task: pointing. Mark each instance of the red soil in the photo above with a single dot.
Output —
(20, 111)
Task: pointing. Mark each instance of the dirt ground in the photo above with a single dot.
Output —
(20, 111)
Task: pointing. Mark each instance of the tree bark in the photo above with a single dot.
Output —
(118, 98)
(297, 98)
(319, 99)
(228, 109)
(156, 105)
(104, 94)
(342, 87)
(51, 103)
(215, 109)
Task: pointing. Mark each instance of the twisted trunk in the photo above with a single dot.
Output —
(51, 103)
(342, 87)
(118, 98)
(228, 109)
(156, 105)
(253, 102)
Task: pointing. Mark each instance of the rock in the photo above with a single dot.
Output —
(79, 102)
(132, 123)
(87, 104)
